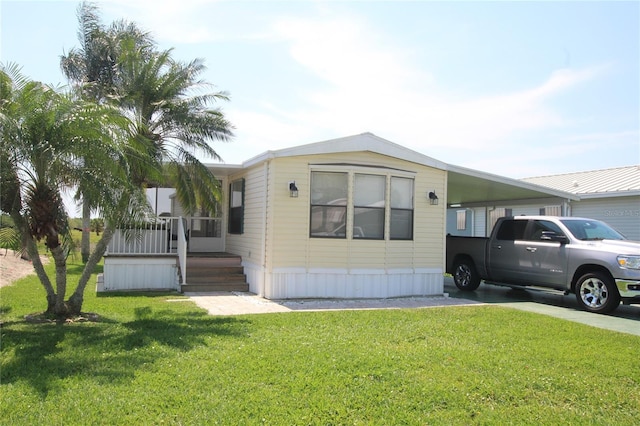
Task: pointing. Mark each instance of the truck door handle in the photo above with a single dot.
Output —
(532, 249)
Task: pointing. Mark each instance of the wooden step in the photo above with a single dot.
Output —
(215, 272)
(216, 279)
(202, 288)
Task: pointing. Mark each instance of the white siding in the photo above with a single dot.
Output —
(622, 213)
(300, 283)
(139, 273)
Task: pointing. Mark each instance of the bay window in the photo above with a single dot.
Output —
(370, 206)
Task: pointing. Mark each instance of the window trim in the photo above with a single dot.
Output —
(231, 226)
(351, 171)
(390, 178)
(324, 207)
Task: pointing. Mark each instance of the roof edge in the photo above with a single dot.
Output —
(512, 182)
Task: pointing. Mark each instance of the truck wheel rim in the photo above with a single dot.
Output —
(594, 293)
(463, 273)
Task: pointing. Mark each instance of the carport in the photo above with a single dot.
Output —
(486, 196)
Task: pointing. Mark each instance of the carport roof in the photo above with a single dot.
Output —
(468, 186)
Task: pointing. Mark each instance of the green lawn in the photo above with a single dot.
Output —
(154, 360)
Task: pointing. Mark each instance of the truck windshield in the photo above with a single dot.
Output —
(590, 230)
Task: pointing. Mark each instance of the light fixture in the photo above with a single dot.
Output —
(433, 198)
(293, 190)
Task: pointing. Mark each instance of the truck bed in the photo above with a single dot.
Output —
(474, 247)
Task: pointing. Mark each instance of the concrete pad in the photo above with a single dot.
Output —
(239, 303)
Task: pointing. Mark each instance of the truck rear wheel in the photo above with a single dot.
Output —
(596, 292)
(465, 275)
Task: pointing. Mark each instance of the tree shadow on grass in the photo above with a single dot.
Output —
(104, 352)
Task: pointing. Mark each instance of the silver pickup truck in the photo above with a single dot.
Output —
(575, 255)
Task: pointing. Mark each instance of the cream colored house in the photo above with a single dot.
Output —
(355, 217)
(361, 224)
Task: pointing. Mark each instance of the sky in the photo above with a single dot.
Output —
(518, 89)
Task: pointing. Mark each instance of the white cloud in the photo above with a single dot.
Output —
(374, 86)
(367, 81)
(171, 21)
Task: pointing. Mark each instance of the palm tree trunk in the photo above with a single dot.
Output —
(85, 245)
(38, 267)
(34, 255)
(77, 298)
(60, 259)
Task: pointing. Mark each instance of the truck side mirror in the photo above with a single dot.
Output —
(553, 236)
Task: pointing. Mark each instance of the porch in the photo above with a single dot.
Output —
(172, 253)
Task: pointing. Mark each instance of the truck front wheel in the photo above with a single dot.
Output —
(596, 292)
(465, 275)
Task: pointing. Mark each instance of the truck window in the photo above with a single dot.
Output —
(539, 226)
(511, 230)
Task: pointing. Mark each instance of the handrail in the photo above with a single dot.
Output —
(182, 250)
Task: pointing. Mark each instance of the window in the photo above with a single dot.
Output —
(511, 230)
(236, 207)
(329, 192)
(551, 211)
(359, 202)
(497, 213)
(401, 208)
(205, 226)
(369, 206)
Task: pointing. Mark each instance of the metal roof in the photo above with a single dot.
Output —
(614, 181)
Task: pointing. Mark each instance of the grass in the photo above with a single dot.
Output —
(158, 359)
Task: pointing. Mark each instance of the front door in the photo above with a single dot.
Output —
(205, 234)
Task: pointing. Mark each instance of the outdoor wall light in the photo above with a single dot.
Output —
(293, 190)
(433, 198)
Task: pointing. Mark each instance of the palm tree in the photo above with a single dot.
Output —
(92, 69)
(49, 143)
(174, 122)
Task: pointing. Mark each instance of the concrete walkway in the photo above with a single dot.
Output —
(238, 303)
(626, 319)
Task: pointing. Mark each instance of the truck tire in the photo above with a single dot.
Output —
(596, 292)
(465, 275)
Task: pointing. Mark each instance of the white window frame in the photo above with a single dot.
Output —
(351, 171)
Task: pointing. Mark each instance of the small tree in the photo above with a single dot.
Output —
(97, 225)
(44, 152)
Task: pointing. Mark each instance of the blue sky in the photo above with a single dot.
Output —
(518, 89)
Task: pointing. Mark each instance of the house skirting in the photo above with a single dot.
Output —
(339, 283)
(139, 273)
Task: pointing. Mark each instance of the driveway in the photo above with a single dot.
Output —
(625, 319)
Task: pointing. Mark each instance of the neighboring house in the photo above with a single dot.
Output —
(611, 195)
(355, 217)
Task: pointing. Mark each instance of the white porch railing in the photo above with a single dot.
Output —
(157, 237)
